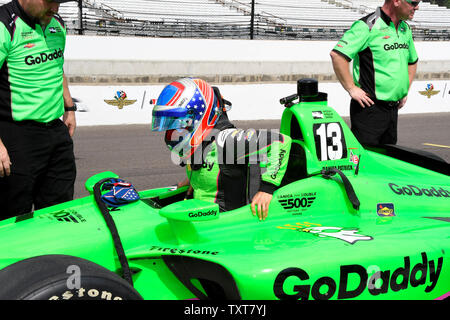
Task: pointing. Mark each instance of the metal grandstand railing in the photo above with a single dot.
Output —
(235, 19)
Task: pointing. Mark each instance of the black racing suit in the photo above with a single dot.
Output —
(221, 170)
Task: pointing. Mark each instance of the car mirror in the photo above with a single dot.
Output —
(90, 183)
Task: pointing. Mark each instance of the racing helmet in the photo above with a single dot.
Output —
(187, 109)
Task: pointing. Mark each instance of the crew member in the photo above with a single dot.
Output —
(37, 163)
(384, 65)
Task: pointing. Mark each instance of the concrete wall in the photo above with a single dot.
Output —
(129, 60)
(253, 75)
(250, 101)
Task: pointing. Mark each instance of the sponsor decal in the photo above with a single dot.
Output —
(386, 37)
(27, 35)
(297, 203)
(120, 100)
(348, 235)
(396, 46)
(343, 42)
(385, 210)
(429, 91)
(424, 274)
(201, 214)
(54, 29)
(64, 216)
(322, 114)
(412, 190)
(317, 115)
(280, 161)
(29, 45)
(182, 101)
(341, 167)
(353, 157)
(43, 57)
(166, 250)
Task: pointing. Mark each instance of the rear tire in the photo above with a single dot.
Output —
(62, 277)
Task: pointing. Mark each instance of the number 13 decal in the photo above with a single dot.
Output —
(330, 141)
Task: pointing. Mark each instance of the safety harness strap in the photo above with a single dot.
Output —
(113, 229)
(347, 185)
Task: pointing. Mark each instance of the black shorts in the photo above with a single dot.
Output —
(376, 124)
(43, 167)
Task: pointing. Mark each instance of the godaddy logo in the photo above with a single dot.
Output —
(355, 280)
(280, 162)
(43, 57)
(396, 46)
(202, 214)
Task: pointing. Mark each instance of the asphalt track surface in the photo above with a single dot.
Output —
(140, 156)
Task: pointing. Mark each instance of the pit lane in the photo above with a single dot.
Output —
(140, 156)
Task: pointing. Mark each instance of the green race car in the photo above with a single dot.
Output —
(348, 223)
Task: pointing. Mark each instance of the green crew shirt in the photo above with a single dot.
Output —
(381, 54)
(31, 59)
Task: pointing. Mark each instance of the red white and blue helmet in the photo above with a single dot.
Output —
(187, 109)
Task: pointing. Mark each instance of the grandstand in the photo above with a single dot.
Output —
(428, 16)
(265, 19)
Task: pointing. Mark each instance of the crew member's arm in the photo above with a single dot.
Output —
(5, 46)
(353, 41)
(341, 68)
(5, 163)
(69, 116)
(412, 68)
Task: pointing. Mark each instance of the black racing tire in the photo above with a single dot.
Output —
(51, 277)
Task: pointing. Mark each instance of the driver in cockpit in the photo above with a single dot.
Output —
(220, 159)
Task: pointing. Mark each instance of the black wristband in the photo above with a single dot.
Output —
(72, 108)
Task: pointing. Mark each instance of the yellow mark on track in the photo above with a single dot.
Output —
(436, 145)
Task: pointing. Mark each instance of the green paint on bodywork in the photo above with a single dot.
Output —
(313, 245)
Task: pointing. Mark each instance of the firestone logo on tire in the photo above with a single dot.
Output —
(86, 294)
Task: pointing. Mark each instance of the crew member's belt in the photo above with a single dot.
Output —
(50, 124)
(390, 104)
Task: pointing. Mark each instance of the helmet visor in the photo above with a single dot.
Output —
(163, 123)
